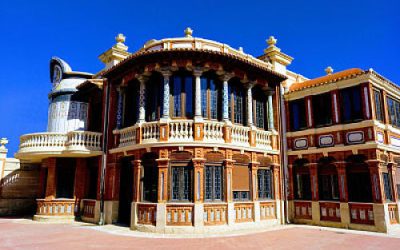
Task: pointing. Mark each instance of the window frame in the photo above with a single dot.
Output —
(319, 106)
(183, 96)
(181, 182)
(232, 101)
(302, 118)
(206, 105)
(380, 116)
(271, 184)
(213, 180)
(350, 92)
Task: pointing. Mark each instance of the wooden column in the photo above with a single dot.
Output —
(309, 113)
(51, 183)
(342, 181)
(137, 166)
(228, 164)
(254, 186)
(198, 164)
(375, 171)
(314, 181)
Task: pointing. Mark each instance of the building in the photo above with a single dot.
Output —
(189, 135)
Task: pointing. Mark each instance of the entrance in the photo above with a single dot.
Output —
(125, 191)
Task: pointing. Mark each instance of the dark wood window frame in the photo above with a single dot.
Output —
(178, 189)
(265, 189)
(183, 95)
(211, 183)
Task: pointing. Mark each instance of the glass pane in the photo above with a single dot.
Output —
(177, 90)
(189, 96)
(208, 193)
(218, 182)
(203, 83)
(213, 99)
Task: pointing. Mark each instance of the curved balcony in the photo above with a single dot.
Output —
(36, 146)
(188, 132)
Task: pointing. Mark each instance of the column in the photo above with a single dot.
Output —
(142, 91)
(310, 118)
(376, 181)
(342, 181)
(120, 107)
(137, 165)
(197, 74)
(254, 188)
(270, 110)
(290, 183)
(166, 74)
(228, 163)
(162, 180)
(314, 181)
(225, 99)
(249, 105)
(198, 164)
(51, 179)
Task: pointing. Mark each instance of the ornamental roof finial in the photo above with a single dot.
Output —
(272, 41)
(120, 38)
(3, 142)
(188, 32)
(329, 70)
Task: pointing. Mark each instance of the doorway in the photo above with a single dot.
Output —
(125, 191)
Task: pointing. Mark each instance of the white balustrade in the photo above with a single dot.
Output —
(240, 135)
(150, 132)
(263, 139)
(84, 140)
(42, 141)
(213, 132)
(181, 130)
(127, 136)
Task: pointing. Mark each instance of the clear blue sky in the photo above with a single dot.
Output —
(342, 34)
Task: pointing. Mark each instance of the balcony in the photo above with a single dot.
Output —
(187, 132)
(37, 146)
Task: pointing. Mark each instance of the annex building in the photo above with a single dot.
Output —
(189, 135)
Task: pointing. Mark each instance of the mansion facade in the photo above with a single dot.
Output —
(189, 135)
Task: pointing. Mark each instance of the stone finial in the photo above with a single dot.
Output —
(241, 49)
(3, 142)
(120, 38)
(272, 41)
(329, 70)
(188, 32)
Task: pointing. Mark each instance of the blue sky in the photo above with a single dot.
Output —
(343, 34)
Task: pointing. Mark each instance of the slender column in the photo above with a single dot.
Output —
(166, 74)
(120, 107)
(375, 172)
(137, 164)
(277, 174)
(142, 90)
(228, 163)
(254, 186)
(225, 99)
(198, 164)
(197, 113)
(342, 181)
(51, 179)
(270, 110)
(249, 105)
(290, 182)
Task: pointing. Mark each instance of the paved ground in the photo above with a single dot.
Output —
(26, 234)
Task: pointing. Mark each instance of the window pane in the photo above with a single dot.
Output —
(297, 111)
(238, 105)
(213, 99)
(378, 105)
(322, 109)
(203, 83)
(189, 96)
(177, 90)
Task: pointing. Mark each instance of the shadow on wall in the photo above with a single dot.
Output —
(19, 190)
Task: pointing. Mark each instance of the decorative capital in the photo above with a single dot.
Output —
(329, 70)
(166, 72)
(120, 38)
(226, 76)
(272, 41)
(197, 71)
(188, 32)
(3, 142)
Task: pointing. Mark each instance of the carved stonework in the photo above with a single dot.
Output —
(241, 158)
(214, 156)
(181, 156)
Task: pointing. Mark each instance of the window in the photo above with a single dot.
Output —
(181, 183)
(131, 104)
(378, 105)
(322, 109)
(302, 186)
(210, 92)
(241, 182)
(297, 111)
(150, 177)
(93, 178)
(359, 186)
(265, 184)
(387, 183)
(328, 185)
(182, 96)
(154, 95)
(394, 111)
(259, 104)
(351, 104)
(65, 178)
(236, 103)
(213, 183)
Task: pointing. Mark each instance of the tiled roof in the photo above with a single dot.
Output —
(348, 73)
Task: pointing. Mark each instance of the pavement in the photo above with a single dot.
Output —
(28, 234)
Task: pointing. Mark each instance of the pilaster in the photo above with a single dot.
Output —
(137, 166)
(342, 181)
(314, 181)
(198, 164)
(162, 180)
(228, 163)
(375, 171)
(254, 188)
(51, 179)
(276, 171)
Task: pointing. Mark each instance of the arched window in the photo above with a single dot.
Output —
(236, 100)
(210, 97)
(154, 94)
(182, 95)
(259, 104)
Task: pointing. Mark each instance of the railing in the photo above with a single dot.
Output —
(50, 142)
(244, 212)
(263, 138)
(89, 208)
(85, 140)
(330, 211)
(213, 132)
(361, 213)
(215, 214)
(58, 207)
(150, 132)
(240, 135)
(179, 215)
(267, 210)
(181, 130)
(303, 210)
(392, 208)
(127, 136)
(147, 214)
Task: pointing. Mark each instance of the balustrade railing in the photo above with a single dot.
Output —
(150, 132)
(392, 209)
(127, 136)
(215, 214)
(213, 132)
(244, 212)
(179, 215)
(58, 207)
(89, 208)
(361, 213)
(147, 214)
(263, 138)
(303, 210)
(330, 211)
(42, 140)
(181, 130)
(240, 135)
(267, 210)
(84, 140)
